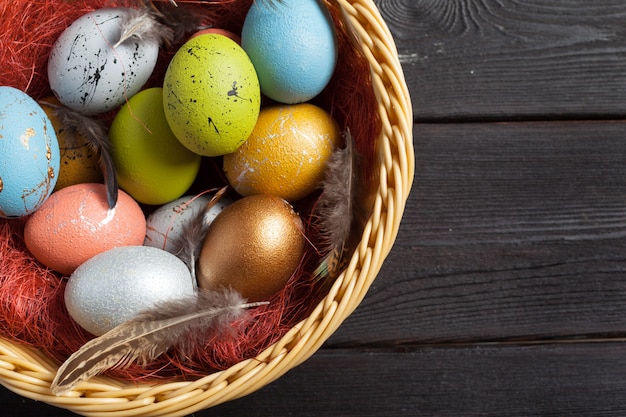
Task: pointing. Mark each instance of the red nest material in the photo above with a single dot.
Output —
(32, 310)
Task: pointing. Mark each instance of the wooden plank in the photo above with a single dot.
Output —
(502, 59)
(512, 230)
(549, 380)
(573, 380)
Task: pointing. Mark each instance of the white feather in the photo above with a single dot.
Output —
(142, 25)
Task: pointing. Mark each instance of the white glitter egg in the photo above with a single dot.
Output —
(116, 285)
(89, 72)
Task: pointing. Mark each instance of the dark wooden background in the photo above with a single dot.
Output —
(505, 293)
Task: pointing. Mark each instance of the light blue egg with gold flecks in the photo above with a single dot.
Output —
(29, 154)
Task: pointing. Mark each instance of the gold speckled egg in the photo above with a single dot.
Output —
(79, 162)
(253, 246)
(286, 153)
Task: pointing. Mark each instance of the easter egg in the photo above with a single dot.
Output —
(29, 154)
(90, 72)
(293, 47)
(116, 285)
(151, 164)
(166, 226)
(79, 161)
(211, 95)
(75, 224)
(286, 153)
(219, 31)
(253, 247)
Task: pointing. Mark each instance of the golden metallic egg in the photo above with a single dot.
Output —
(253, 246)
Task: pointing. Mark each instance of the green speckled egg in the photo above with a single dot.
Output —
(211, 95)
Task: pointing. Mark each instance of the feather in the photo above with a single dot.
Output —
(142, 24)
(180, 323)
(95, 132)
(338, 211)
(181, 21)
(194, 231)
(274, 5)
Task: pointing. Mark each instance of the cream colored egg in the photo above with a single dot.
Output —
(165, 227)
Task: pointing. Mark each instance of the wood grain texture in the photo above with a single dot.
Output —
(578, 380)
(513, 230)
(511, 59)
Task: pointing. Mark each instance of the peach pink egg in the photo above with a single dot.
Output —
(224, 32)
(75, 224)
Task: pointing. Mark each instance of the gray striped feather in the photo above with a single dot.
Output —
(180, 323)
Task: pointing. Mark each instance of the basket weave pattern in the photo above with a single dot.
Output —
(29, 373)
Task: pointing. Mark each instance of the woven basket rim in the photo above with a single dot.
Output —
(29, 373)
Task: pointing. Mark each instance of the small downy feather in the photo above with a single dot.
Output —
(96, 134)
(271, 3)
(194, 231)
(180, 323)
(142, 25)
(338, 211)
(181, 21)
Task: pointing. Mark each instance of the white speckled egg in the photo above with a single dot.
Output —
(293, 47)
(89, 73)
(165, 225)
(116, 285)
(29, 154)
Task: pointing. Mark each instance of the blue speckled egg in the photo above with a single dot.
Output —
(89, 72)
(293, 47)
(114, 286)
(29, 154)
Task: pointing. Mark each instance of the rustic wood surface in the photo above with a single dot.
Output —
(505, 293)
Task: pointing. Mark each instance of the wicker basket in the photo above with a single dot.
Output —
(29, 373)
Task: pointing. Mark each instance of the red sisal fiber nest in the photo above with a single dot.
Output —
(32, 310)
